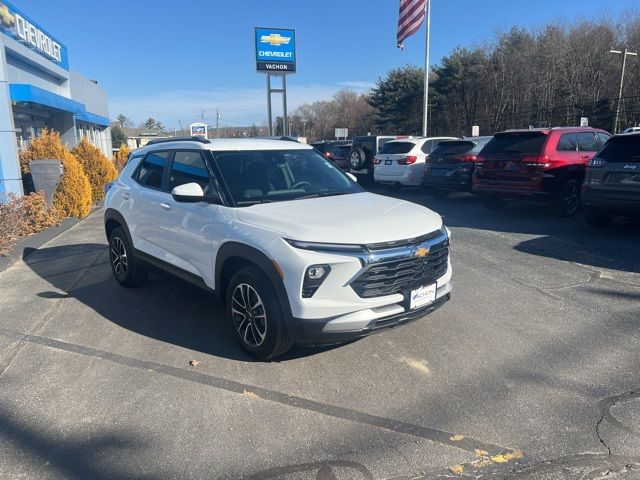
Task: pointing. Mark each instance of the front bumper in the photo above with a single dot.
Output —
(348, 327)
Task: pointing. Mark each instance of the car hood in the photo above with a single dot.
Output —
(357, 218)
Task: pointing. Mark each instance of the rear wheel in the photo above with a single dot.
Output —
(256, 315)
(597, 219)
(568, 201)
(492, 203)
(127, 270)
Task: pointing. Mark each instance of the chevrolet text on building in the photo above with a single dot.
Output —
(275, 50)
(38, 91)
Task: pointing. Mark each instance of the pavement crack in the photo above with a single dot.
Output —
(600, 439)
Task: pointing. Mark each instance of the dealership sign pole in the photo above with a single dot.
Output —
(276, 57)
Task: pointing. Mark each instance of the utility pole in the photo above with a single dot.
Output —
(304, 128)
(217, 123)
(624, 66)
(425, 110)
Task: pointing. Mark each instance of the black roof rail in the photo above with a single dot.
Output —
(178, 139)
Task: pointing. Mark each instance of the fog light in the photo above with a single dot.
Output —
(313, 278)
(315, 273)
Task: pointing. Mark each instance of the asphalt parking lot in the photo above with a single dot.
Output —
(531, 370)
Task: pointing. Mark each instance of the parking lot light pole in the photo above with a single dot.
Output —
(624, 54)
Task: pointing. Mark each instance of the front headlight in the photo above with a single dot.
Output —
(326, 247)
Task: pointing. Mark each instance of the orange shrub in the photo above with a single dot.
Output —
(120, 157)
(24, 215)
(99, 169)
(73, 196)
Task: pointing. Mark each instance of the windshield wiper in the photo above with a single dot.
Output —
(254, 202)
(322, 194)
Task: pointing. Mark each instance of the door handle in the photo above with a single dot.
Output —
(126, 196)
(166, 206)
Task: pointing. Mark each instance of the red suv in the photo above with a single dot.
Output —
(542, 164)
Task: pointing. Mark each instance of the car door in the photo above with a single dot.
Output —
(187, 228)
(587, 146)
(149, 197)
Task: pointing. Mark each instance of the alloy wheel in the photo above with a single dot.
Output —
(571, 200)
(119, 257)
(249, 315)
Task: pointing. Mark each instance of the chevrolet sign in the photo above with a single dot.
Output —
(275, 50)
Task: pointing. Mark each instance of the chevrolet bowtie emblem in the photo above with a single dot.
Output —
(421, 252)
(275, 39)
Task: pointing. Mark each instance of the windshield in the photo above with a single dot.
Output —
(277, 175)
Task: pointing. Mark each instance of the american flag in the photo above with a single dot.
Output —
(411, 15)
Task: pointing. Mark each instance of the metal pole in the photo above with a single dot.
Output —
(269, 117)
(425, 120)
(285, 118)
(624, 64)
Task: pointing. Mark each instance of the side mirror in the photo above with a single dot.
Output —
(189, 192)
(352, 176)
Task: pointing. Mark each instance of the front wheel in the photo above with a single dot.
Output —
(568, 201)
(256, 315)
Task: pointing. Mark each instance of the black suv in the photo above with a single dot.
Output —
(328, 147)
(612, 182)
(363, 149)
(450, 166)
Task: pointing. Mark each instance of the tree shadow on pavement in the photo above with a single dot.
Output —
(165, 309)
(81, 457)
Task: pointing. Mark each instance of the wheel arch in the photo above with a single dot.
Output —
(234, 255)
(114, 219)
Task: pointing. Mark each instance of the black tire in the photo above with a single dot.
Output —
(440, 193)
(264, 335)
(596, 218)
(357, 158)
(568, 200)
(126, 269)
(492, 203)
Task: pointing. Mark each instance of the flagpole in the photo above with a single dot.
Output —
(425, 119)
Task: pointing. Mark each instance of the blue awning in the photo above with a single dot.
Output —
(23, 92)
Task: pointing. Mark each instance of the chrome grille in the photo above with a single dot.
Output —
(397, 276)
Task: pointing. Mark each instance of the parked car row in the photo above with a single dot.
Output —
(564, 167)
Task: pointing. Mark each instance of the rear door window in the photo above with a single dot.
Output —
(568, 143)
(622, 149)
(518, 143)
(587, 142)
(391, 148)
(152, 168)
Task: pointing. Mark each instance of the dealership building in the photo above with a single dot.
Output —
(38, 90)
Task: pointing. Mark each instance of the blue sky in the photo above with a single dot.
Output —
(159, 58)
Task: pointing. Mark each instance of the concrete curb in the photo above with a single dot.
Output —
(35, 241)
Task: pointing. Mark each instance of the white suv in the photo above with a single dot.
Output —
(295, 249)
(401, 162)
